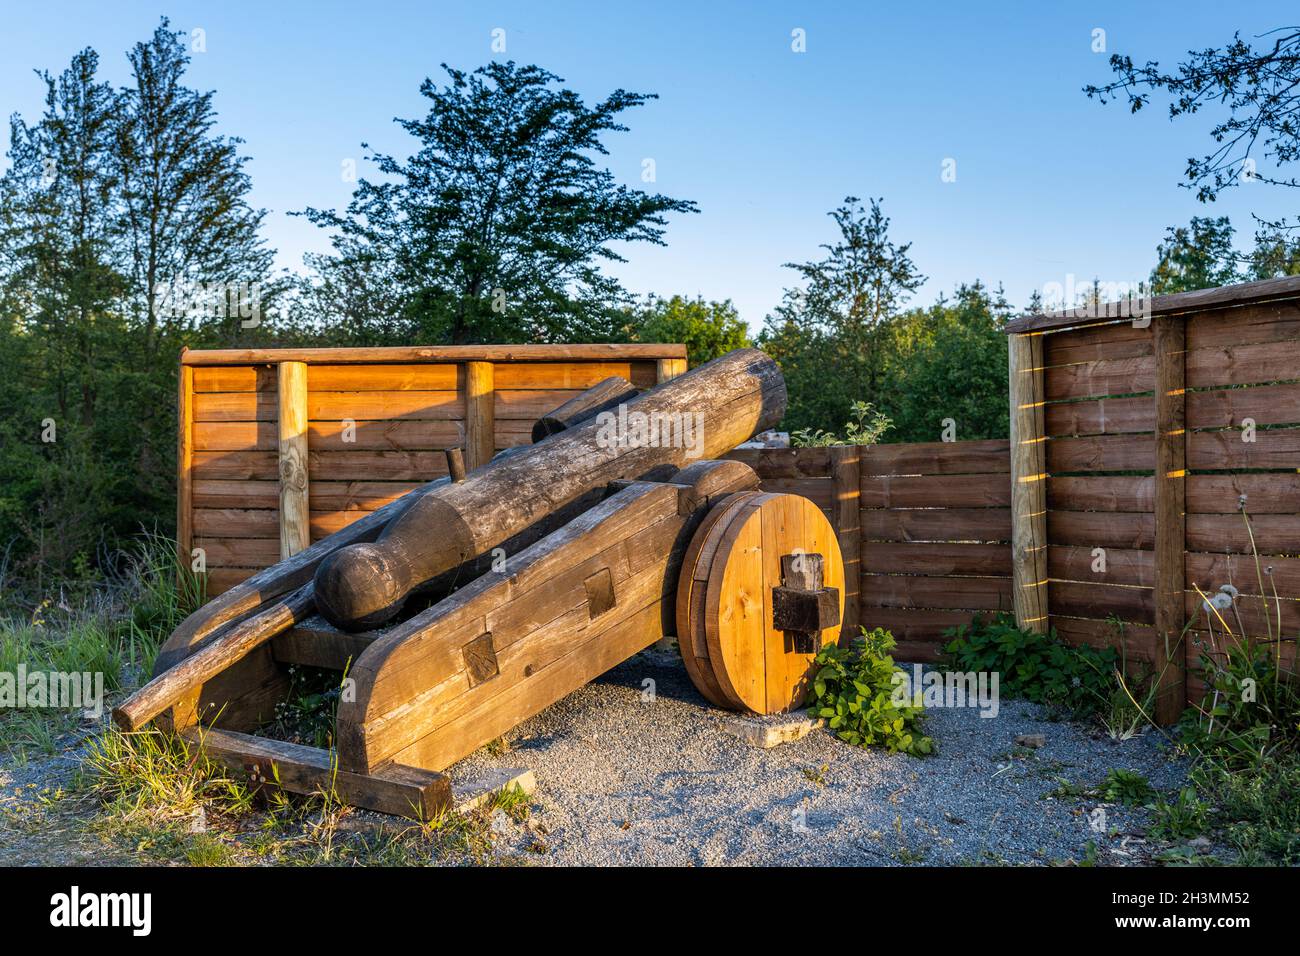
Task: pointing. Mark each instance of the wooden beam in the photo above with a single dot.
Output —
(393, 788)
(184, 465)
(670, 368)
(480, 414)
(438, 353)
(1028, 482)
(295, 506)
(846, 516)
(1170, 515)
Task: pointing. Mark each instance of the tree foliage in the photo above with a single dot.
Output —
(707, 329)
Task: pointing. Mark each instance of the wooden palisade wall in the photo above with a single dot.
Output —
(279, 448)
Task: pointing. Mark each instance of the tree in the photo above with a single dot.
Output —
(829, 335)
(1260, 90)
(707, 329)
(1199, 255)
(496, 228)
(1276, 254)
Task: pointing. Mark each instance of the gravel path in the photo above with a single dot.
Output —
(624, 780)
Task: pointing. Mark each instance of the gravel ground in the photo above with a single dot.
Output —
(623, 780)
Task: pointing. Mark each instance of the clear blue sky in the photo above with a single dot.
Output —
(764, 139)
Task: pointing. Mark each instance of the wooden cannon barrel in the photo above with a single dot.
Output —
(761, 590)
(601, 397)
(514, 501)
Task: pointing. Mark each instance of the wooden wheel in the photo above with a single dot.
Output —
(772, 582)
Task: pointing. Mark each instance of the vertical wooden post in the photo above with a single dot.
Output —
(1028, 482)
(847, 483)
(480, 414)
(184, 465)
(295, 503)
(666, 369)
(1170, 508)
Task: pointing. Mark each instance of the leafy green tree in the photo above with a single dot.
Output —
(497, 227)
(707, 329)
(1199, 255)
(1276, 254)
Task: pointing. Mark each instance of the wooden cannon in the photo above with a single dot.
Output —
(476, 601)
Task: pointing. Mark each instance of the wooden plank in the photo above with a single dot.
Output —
(1100, 453)
(224, 493)
(1095, 379)
(846, 520)
(234, 436)
(357, 495)
(365, 406)
(937, 524)
(785, 462)
(573, 375)
(1254, 616)
(1265, 494)
(395, 789)
(1102, 416)
(1224, 407)
(184, 464)
(399, 435)
(221, 580)
(941, 559)
(1244, 293)
(1275, 321)
(920, 651)
(1099, 343)
(240, 378)
(1135, 642)
(1116, 565)
(1101, 601)
(239, 552)
(820, 491)
(480, 414)
(1229, 449)
(295, 533)
(234, 406)
(667, 369)
(428, 377)
(600, 352)
(1100, 529)
(914, 624)
(236, 523)
(1243, 364)
(954, 593)
(530, 404)
(1170, 511)
(921, 491)
(313, 643)
(1273, 573)
(237, 465)
(418, 466)
(937, 458)
(1028, 481)
(325, 523)
(1273, 534)
(1101, 493)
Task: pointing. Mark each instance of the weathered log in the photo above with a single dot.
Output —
(601, 397)
(706, 413)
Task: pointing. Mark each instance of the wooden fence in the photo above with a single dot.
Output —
(1138, 438)
(279, 448)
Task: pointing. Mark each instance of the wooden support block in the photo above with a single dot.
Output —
(1170, 515)
(768, 732)
(392, 788)
(846, 516)
(470, 793)
(316, 643)
(295, 502)
(669, 368)
(480, 413)
(1028, 482)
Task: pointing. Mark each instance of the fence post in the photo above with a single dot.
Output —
(1170, 508)
(666, 369)
(480, 414)
(847, 484)
(1028, 482)
(295, 503)
(185, 466)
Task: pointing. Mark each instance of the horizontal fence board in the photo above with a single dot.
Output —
(384, 378)
(914, 624)
(1095, 379)
(400, 435)
(1243, 364)
(1101, 453)
(1101, 601)
(1265, 494)
(1209, 571)
(237, 378)
(1252, 615)
(357, 495)
(919, 651)
(236, 406)
(1273, 534)
(1224, 450)
(951, 491)
(1101, 416)
(237, 523)
(1099, 343)
(417, 466)
(937, 458)
(1263, 322)
(239, 552)
(1101, 529)
(530, 404)
(1223, 407)
(879, 557)
(572, 375)
(221, 580)
(324, 523)
(1121, 565)
(901, 590)
(235, 436)
(358, 406)
(820, 491)
(785, 462)
(236, 465)
(937, 524)
(1138, 639)
(1101, 493)
(222, 493)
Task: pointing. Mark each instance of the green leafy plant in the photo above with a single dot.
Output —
(1077, 681)
(854, 690)
(865, 428)
(1182, 818)
(1127, 787)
